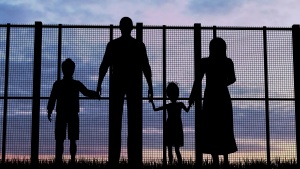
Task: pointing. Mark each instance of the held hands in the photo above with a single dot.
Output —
(150, 95)
(49, 116)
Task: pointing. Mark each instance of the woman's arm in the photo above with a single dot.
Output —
(186, 109)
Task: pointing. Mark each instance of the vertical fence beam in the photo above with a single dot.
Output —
(5, 93)
(266, 95)
(296, 61)
(214, 31)
(164, 95)
(59, 51)
(198, 101)
(36, 93)
(139, 118)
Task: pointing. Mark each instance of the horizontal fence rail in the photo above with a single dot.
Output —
(265, 96)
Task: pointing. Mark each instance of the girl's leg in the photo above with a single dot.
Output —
(226, 161)
(215, 158)
(179, 158)
(170, 154)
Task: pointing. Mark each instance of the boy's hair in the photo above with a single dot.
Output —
(68, 67)
(172, 90)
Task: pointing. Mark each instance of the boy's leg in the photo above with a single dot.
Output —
(60, 136)
(73, 134)
(170, 154)
(73, 150)
(179, 158)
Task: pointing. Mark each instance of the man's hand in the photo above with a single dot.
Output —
(49, 116)
(191, 102)
(150, 94)
(99, 91)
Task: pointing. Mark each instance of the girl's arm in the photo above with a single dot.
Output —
(186, 109)
(158, 108)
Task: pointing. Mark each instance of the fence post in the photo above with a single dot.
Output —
(5, 93)
(59, 51)
(198, 101)
(138, 142)
(296, 61)
(266, 95)
(36, 93)
(164, 95)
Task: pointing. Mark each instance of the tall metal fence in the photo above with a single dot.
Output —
(266, 110)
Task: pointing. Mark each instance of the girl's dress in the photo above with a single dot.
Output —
(174, 125)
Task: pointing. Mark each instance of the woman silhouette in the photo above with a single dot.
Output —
(217, 115)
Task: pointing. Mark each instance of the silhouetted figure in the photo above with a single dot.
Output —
(217, 135)
(128, 60)
(174, 133)
(65, 93)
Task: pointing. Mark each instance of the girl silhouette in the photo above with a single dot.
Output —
(174, 124)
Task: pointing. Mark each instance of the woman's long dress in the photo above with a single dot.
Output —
(217, 134)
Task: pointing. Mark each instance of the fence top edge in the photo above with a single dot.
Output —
(152, 27)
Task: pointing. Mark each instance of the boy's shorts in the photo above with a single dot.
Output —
(61, 124)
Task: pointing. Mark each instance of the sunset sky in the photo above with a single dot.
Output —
(244, 47)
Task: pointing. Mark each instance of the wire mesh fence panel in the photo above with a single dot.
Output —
(280, 64)
(282, 130)
(180, 69)
(249, 130)
(18, 139)
(20, 80)
(2, 78)
(153, 121)
(86, 47)
(49, 60)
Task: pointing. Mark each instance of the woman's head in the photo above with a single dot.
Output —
(173, 91)
(217, 47)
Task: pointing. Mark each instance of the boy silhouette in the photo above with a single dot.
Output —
(174, 123)
(66, 93)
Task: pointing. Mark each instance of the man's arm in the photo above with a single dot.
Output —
(147, 72)
(86, 92)
(104, 67)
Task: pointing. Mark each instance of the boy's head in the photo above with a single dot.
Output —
(173, 91)
(68, 67)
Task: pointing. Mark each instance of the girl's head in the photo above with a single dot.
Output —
(217, 47)
(173, 91)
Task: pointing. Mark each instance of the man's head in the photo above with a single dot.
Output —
(126, 26)
(68, 67)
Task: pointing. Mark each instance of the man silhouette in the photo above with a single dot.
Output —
(127, 58)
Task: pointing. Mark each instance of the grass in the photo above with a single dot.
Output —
(96, 164)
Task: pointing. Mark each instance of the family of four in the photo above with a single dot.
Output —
(127, 60)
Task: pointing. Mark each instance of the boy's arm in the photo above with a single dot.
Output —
(52, 100)
(87, 92)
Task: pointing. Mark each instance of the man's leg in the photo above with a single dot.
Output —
(115, 125)
(59, 149)
(73, 150)
(135, 126)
